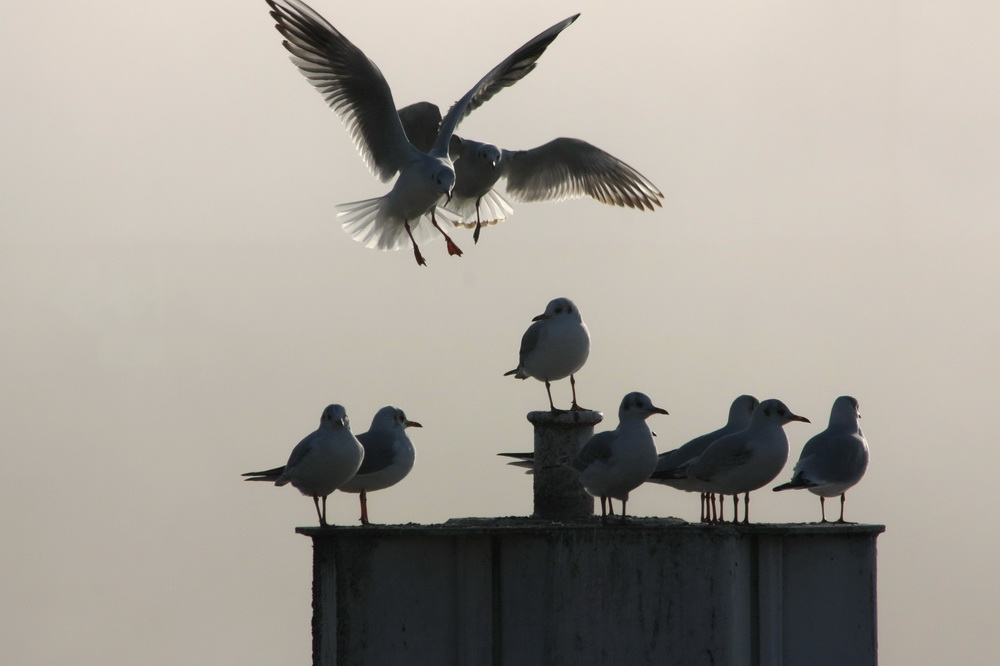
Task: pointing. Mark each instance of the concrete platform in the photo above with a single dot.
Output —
(654, 591)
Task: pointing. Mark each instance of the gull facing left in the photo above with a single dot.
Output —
(834, 460)
(322, 462)
(389, 455)
(554, 347)
(615, 462)
(355, 89)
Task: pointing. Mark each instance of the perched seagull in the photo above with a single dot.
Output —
(354, 87)
(388, 455)
(834, 460)
(614, 462)
(561, 169)
(672, 466)
(322, 462)
(554, 347)
(748, 459)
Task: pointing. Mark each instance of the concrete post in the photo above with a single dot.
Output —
(559, 437)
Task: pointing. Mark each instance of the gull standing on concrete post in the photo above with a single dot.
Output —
(354, 87)
(834, 460)
(672, 466)
(389, 455)
(561, 169)
(749, 459)
(614, 462)
(554, 347)
(322, 462)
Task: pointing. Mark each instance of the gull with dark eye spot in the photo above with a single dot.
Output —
(746, 460)
(672, 466)
(554, 347)
(834, 460)
(322, 462)
(356, 90)
(563, 168)
(611, 464)
(389, 455)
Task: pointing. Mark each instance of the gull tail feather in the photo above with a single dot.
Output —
(368, 222)
(493, 208)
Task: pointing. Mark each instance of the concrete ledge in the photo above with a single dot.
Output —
(535, 591)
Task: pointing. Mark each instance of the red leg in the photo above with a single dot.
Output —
(364, 509)
(746, 508)
(822, 508)
(416, 250)
(452, 248)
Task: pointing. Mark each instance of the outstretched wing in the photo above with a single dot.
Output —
(350, 83)
(567, 168)
(514, 68)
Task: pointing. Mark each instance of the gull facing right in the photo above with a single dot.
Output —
(615, 462)
(748, 459)
(834, 460)
(554, 347)
(672, 466)
(389, 455)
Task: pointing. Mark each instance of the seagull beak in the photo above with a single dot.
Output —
(659, 410)
(540, 317)
(413, 424)
(800, 418)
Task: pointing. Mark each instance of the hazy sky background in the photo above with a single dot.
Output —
(180, 304)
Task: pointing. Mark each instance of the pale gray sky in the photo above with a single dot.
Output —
(180, 303)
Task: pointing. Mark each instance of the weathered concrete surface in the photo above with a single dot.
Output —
(558, 493)
(529, 591)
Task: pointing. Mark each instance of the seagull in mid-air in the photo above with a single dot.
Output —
(354, 87)
(389, 455)
(554, 347)
(563, 168)
(615, 462)
(834, 460)
(672, 466)
(322, 462)
(748, 459)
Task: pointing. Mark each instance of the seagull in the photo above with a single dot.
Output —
(563, 168)
(748, 459)
(672, 466)
(353, 86)
(554, 347)
(388, 455)
(322, 462)
(834, 460)
(614, 462)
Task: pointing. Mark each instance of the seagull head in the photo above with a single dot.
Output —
(638, 405)
(776, 411)
(559, 307)
(488, 154)
(846, 411)
(389, 418)
(335, 416)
